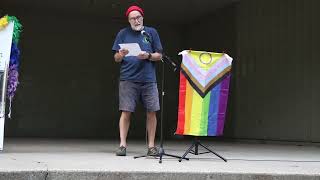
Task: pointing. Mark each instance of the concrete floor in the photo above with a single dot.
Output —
(95, 159)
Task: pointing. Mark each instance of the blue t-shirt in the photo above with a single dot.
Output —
(132, 68)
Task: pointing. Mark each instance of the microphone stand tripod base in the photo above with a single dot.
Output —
(160, 155)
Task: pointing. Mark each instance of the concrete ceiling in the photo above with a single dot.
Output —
(179, 11)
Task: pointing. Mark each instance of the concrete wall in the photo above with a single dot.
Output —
(67, 79)
(277, 78)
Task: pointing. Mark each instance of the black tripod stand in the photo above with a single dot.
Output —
(195, 144)
(167, 60)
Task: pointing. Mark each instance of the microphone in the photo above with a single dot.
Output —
(145, 34)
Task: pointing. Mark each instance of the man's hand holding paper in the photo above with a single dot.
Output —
(123, 52)
(132, 48)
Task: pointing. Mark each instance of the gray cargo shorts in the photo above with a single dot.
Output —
(130, 93)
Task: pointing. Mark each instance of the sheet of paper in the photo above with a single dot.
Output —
(133, 48)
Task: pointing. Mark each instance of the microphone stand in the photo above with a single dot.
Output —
(167, 60)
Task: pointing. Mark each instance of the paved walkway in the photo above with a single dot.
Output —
(94, 159)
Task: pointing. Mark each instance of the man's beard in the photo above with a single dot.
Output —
(137, 28)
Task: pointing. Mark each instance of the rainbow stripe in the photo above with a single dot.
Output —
(203, 114)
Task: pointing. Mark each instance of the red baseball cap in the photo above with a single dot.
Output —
(134, 8)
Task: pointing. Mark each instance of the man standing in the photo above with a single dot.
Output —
(138, 76)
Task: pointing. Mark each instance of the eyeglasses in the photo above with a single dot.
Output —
(138, 18)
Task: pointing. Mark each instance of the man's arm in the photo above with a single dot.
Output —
(155, 56)
(150, 56)
(118, 56)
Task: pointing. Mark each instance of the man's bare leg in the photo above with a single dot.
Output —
(151, 127)
(124, 124)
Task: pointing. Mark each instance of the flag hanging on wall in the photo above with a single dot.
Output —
(203, 93)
